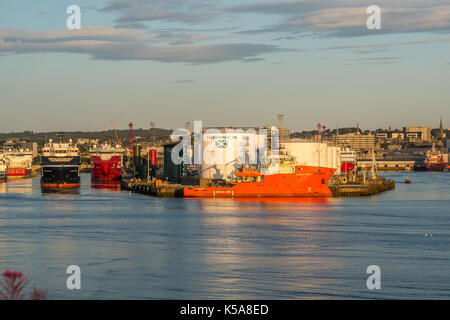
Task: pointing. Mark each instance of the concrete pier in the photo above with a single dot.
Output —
(362, 189)
(150, 188)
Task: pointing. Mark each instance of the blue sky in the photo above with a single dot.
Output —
(224, 62)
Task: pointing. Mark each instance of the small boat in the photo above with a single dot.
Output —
(407, 181)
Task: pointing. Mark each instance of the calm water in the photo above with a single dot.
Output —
(134, 246)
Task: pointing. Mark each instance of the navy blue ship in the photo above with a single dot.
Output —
(60, 165)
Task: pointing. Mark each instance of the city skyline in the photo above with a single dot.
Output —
(292, 130)
(233, 63)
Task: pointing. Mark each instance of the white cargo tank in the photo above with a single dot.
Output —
(313, 153)
(224, 152)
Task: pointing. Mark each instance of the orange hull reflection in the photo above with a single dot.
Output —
(305, 200)
(61, 191)
(112, 185)
(60, 185)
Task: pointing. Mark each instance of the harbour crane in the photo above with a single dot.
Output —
(115, 132)
(131, 139)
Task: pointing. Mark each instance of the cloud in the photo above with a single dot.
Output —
(182, 81)
(131, 25)
(347, 18)
(188, 12)
(389, 44)
(374, 61)
(89, 33)
(125, 44)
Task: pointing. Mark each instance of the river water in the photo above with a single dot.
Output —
(132, 246)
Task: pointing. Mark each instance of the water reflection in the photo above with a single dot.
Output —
(21, 186)
(3, 187)
(112, 185)
(276, 243)
(48, 191)
(134, 246)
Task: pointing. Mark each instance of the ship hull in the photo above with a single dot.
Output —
(106, 170)
(347, 166)
(305, 182)
(436, 167)
(60, 173)
(18, 173)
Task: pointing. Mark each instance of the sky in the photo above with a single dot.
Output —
(226, 63)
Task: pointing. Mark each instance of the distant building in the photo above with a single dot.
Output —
(382, 135)
(355, 140)
(83, 141)
(423, 133)
(397, 135)
(412, 136)
(389, 135)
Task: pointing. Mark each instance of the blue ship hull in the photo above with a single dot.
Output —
(60, 172)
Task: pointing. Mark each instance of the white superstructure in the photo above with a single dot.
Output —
(18, 158)
(106, 151)
(60, 149)
(3, 166)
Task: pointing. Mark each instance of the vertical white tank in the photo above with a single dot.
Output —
(313, 153)
(224, 152)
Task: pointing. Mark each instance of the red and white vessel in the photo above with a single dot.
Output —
(348, 160)
(436, 160)
(106, 162)
(3, 167)
(19, 162)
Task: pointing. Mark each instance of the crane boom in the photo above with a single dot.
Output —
(115, 132)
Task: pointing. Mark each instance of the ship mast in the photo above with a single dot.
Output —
(131, 162)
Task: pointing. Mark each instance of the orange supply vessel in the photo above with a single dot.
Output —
(304, 181)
